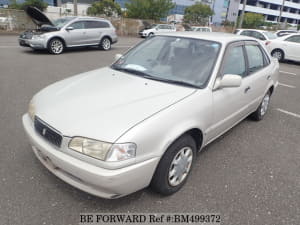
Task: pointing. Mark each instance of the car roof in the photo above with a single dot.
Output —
(223, 38)
(89, 18)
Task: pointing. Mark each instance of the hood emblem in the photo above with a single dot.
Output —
(44, 131)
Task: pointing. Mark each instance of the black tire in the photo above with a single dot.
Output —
(56, 46)
(161, 181)
(278, 54)
(150, 34)
(105, 44)
(262, 109)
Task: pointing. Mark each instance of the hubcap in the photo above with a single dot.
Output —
(180, 166)
(106, 44)
(277, 55)
(56, 46)
(264, 105)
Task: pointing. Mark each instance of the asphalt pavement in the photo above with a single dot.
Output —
(250, 175)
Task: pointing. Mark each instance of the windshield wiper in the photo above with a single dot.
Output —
(182, 83)
(132, 71)
(148, 76)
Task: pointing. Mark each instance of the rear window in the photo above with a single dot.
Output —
(270, 35)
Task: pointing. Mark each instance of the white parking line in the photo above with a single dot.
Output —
(286, 85)
(289, 113)
(289, 73)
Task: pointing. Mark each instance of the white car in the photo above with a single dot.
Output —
(286, 47)
(202, 29)
(139, 122)
(262, 35)
(281, 33)
(157, 28)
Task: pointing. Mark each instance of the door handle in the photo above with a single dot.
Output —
(247, 89)
(269, 77)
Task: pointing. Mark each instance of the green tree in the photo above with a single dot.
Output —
(104, 7)
(253, 20)
(35, 3)
(148, 9)
(198, 13)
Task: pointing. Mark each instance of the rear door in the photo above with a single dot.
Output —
(259, 73)
(95, 30)
(292, 47)
(77, 36)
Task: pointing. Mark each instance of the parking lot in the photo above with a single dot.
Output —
(250, 175)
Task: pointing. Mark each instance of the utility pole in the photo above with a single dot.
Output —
(75, 7)
(242, 15)
(280, 15)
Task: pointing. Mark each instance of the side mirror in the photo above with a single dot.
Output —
(69, 28)
(156, 28)
(228, 81)
(118, 56)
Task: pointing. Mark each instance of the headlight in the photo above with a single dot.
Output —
(103, 150)
(31, 110)
(42, 36)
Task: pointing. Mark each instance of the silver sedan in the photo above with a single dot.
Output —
(140, 121)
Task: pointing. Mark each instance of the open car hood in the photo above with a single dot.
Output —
(37, 16)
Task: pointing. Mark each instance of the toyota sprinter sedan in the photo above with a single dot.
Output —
(141, 121)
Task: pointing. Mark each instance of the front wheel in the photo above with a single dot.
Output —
(175, 166)
(263, 108)
(56, 46)
(105, 44)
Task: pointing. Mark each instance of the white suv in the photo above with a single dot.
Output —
(157, 28)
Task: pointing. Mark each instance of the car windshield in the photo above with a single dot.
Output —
(177, 60)
(270, 35)
(59, 23)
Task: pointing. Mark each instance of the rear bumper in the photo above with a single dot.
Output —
(98, 181)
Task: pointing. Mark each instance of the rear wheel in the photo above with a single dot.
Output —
(56, 46)
(263, 108)
(175, 166)
(278, 54)
(105, 44)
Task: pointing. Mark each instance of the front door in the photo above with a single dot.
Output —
(231, 104)
(77, 36)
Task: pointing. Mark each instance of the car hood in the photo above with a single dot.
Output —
(103, 104)
(37, 16)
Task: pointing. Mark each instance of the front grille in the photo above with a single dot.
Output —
(47, 132)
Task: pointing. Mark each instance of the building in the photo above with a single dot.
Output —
(269, 8)
(220, 8)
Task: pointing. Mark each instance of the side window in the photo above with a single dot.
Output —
(161, 27)
(96, 24)
(248, 33)
(255, 58)
(258, 36)
(235, 62)
(295, 39)
(78, 25)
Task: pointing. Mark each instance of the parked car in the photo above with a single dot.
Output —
(281, 33)
(263, 36)
(286, 47)
(67, 32)
(202, 29)
(157, 28)
(104, 138)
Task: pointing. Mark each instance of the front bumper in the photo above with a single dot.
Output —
(98, 181)
(33, 43)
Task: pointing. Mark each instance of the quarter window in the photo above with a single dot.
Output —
(255, 58)
(235, 62)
